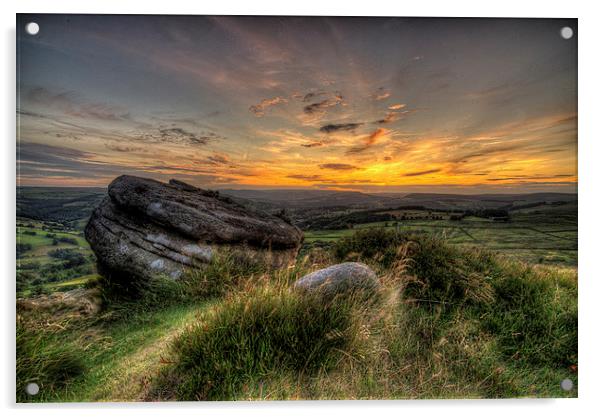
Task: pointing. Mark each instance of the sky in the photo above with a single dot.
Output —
(365, 104)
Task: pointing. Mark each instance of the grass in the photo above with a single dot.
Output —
(45, 359)
(248, 338)
(100, 358)
(447, 322)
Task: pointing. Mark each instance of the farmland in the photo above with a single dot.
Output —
(540, 236)
(51, 256)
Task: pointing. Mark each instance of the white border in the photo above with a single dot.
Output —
(590, 180)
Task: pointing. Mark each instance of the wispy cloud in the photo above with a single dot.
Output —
(380, 94)
(370, 141)
(396, 106)
(338, 167)
(72, 104)
(177, 135)
(321, 106)
(338, 127)
(260, 108)
(420, 173)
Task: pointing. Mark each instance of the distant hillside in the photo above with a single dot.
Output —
(59, 204)
(314, 198)
(298, 199)
(72, 204)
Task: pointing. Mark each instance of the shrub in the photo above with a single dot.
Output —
(447, 273)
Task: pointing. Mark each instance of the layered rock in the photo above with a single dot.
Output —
(146, 228)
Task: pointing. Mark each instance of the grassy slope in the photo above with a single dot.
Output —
(117, 355)
(487, 328)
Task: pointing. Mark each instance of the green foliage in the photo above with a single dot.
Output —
(249, 337)
(447, 273)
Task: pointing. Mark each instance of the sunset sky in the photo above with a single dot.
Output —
(375, 105)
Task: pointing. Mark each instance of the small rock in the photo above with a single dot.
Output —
(341, 278)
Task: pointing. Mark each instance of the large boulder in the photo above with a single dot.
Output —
(348, 277)
(146, 228)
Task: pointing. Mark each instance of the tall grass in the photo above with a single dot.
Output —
(43, 358)
(250, 337)
(448, 322)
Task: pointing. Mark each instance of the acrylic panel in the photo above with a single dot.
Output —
(295, 208)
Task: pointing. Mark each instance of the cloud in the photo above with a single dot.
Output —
(124, 148)
(380, 94)
(217, 159)
(337, 127)
(370, 141)
(177, 135)
(338, 167)
(71, 104)
(259, 109)
(310, 96)
(39, 162)
(305, 177)
(312, 145)
(389, 118)
(396, 106)
(419, 173)
(320, 106)
(530, 177)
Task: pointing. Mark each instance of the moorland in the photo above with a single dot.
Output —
(479, 299)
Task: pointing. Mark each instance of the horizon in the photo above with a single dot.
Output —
(376, 105)
(327, 190)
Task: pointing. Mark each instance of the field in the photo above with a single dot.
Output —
(537, 236)
(51, 256)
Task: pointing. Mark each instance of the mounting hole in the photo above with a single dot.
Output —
(566, 384)
(566, 32)
(32, 388)
(32, 28)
